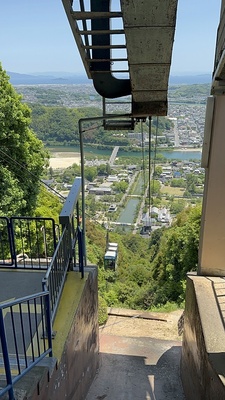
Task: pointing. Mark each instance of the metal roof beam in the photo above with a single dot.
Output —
(79, 15)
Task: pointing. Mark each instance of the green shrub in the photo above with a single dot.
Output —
(102, 311)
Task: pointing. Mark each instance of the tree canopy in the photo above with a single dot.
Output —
(22, 155)
(59, 125)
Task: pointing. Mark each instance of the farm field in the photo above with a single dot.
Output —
(172, 191)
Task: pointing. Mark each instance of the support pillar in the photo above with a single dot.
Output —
(212, 235)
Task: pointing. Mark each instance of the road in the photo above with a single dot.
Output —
(176, 134)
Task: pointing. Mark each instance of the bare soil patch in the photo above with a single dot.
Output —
(164, 326)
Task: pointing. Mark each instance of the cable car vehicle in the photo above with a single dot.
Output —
(110, 258)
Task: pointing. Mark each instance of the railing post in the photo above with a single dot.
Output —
(66, 219)
(48, 322)
(45, 288)
(67, 245)
(68, 242)
(13, 243)
(80, 249)
(82, 190)
(44, 284)
(6, 357)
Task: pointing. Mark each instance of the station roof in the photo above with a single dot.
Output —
(126, 48)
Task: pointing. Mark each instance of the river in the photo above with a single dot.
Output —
(170, 155)
(128, 214)
(182, 155)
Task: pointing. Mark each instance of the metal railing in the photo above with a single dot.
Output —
(25, 338)
(69, 251)
(6, 248)
(35, 241)
(27, 242)
(25, 324)
(55, 276)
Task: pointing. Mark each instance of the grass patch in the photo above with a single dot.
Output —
(168, 307)
(172, 191)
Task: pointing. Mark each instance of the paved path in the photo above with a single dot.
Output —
(136, 366)
(16, 283)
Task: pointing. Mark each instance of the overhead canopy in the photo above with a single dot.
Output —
(126, 48)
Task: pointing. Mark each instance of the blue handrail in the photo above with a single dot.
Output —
(27, 242)
(56, 273)
(24, 337)
(37, 312)
(69, 242)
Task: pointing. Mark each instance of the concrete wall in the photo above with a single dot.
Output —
(203, 350)
(76, 346)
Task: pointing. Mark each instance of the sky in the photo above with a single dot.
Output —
(35, 37)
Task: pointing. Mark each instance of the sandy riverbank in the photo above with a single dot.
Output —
(191, 149)
(64, 159)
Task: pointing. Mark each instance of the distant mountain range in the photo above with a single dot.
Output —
(190, 79)
(47, 79)
(65, 78)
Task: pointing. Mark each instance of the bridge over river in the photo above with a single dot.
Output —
(113, 155)
(121, 223)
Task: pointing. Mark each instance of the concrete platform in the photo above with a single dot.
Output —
(136, 362)
(16, 283)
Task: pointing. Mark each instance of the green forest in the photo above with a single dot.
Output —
(59, 126)
(23, 156)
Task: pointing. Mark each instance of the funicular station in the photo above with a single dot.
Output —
(48, 309)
